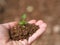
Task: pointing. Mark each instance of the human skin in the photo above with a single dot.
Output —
(4, 36)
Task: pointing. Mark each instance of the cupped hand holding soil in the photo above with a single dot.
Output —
(4, 37)
(42, 28)
(21, 32)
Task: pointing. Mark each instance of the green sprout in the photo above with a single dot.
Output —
(24, 16)
(23, 22)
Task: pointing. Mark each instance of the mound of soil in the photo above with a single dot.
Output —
(19, 32)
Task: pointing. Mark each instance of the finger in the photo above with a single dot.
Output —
(14, 43)
(44, 25)
(32, 21)
(24, 42)
(17, 43)
(39, 22)
(37, 33)
(9, 25)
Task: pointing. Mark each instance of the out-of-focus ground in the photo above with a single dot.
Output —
(46, 10)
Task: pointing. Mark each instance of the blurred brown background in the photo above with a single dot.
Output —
(46, 10)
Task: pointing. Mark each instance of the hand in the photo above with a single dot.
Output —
(42, 27)
(4, 36)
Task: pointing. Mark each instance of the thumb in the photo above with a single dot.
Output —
(9, 25)
(4, 35)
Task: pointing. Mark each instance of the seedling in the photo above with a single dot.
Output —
(22, 21)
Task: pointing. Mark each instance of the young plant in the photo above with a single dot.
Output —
(23, 22)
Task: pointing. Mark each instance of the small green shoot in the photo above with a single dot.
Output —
(24, 16)
(23, 22)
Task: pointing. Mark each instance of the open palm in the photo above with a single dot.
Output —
(4, 36)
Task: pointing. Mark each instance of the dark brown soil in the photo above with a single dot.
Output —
(19, 32)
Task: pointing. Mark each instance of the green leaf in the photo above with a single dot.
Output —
(22, 22)
(24, 16)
